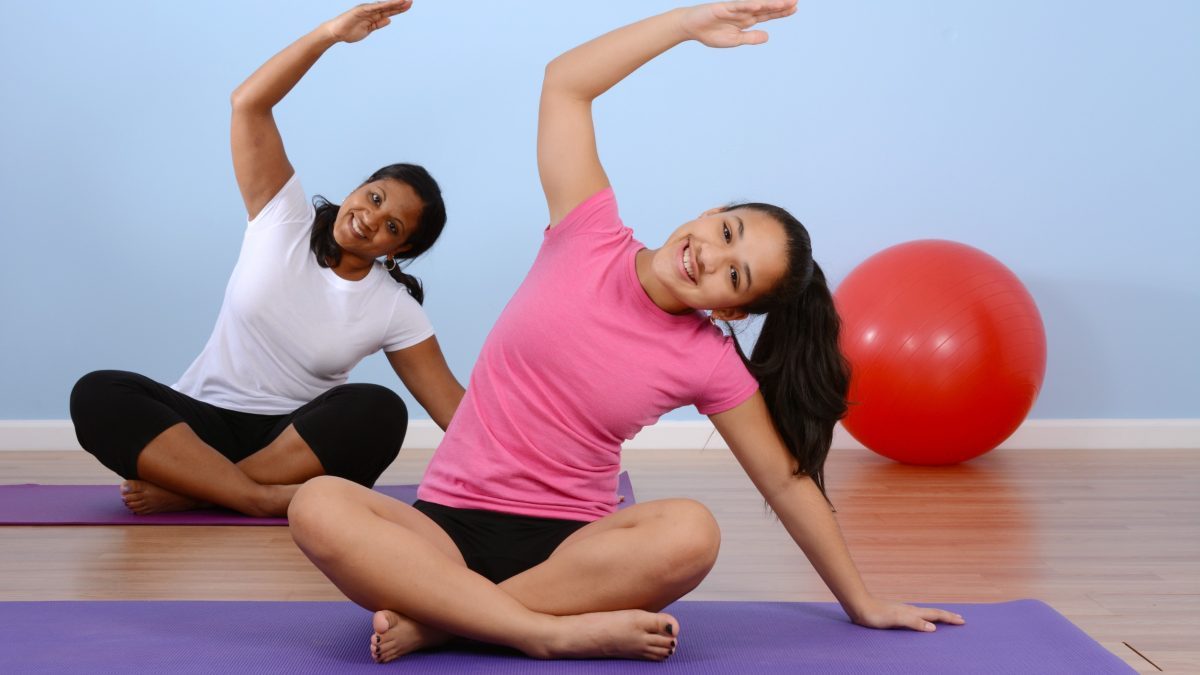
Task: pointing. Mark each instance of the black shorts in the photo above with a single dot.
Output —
(500, 545)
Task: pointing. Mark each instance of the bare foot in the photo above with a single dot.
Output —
(627, 634)
(143, 498)
(397, 635)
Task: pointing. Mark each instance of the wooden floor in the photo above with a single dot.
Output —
(1109, 538)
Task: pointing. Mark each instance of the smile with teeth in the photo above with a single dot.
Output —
(355, 226)
(687, 262)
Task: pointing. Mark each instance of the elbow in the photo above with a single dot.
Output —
(560, 83)
(551, 75)
(242, 98)
(237, 99)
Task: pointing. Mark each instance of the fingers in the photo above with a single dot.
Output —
(377, 12)
(754, 37)
(761, 11)
(923, 618)
(390, 8)
(918, 623)
(940, 616)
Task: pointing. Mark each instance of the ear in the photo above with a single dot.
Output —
(729, 314)
(402, 249)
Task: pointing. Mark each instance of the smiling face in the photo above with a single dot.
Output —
(723, 260)
(377, 219)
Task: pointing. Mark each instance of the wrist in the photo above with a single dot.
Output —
(324, 37)
(859, 607)
(677, 18)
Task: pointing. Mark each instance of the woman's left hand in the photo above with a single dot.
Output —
(361, 21)
(883, 614)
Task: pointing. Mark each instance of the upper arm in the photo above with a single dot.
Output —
(259, 160)
(756, 444)
(568, 162)
(423, 369)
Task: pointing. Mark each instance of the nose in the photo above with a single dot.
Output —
(368, 219)
(709, 261)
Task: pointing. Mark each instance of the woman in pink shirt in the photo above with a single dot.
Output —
(516, 539)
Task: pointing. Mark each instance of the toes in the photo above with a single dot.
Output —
(384, 620)
(658, 653)
(669, 626)
(661, 641)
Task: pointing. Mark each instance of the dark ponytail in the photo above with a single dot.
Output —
(429, 226)
(800, 369)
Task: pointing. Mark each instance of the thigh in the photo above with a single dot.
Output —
(117, 413)
(355, 430)
(333, 507)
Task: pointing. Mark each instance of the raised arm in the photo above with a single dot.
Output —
(568, 162)
(809, 520)
(259, 161)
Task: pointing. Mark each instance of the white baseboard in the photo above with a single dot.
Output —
(1045, 434)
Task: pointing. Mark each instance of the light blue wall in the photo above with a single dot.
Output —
(1061, 137)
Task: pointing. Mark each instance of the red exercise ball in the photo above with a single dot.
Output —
(947, 352)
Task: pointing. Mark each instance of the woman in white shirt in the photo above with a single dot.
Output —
(317, 287)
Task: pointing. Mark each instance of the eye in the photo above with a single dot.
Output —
(725, 233)
(733, 276)
(391, 226)
(375, 199)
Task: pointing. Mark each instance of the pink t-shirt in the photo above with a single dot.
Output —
(579, 361)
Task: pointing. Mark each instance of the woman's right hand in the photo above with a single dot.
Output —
(359, 22)
(725, 24)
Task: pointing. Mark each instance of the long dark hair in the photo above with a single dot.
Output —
(429, 227)
(797, 361)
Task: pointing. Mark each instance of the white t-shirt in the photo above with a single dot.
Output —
(289, 329)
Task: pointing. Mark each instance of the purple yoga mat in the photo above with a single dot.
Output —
(1025, 636)
(101, 505)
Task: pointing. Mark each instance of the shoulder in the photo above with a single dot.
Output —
(729, 382)
(409, 324)
(289, 205)
(596, 213)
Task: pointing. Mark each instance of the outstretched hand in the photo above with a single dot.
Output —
(726, 24)
(361, 21)
(882, 614)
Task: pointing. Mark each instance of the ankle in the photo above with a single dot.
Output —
(544, 640)
(269, 501)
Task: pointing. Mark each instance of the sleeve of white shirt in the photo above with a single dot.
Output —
(409, 324)
(290, 206)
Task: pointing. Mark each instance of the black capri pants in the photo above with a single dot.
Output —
(355, 430)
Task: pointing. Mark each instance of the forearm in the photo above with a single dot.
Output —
(444, 410)
(808, 519)
(592, 68)
(275, 78)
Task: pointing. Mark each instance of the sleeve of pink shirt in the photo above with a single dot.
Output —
(729, 384)
(596, 213)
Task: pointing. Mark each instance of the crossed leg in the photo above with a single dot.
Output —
(645, 556)
(387, 556)
(178, 471)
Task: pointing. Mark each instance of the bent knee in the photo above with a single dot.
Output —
(377, 402)
(695, 536)
(96, 386)
(315, 509)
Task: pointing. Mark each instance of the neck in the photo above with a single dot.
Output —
(654, 288)
(352, 268)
